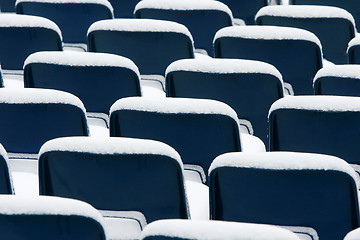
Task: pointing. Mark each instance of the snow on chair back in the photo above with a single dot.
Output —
(349, 5)
(203, 18)
(249, 87)
(213, 230)
(318, 124)
(98, 79)
(245, 9)
(310, 194)
(42, 217)
(5, 177)
(30, 117)
(198, 129)
(343, 80)
(22, 35)
(296, 53)
(334, 26)
(73, 17)
(353, 51)
(353, 235)
(115, 174)
(151, 44)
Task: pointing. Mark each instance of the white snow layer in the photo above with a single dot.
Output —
(184, 5)
(283, 161)
(304, 11)
(174, 105)
(353, 235)
(110, 145)
(27, 21)
(71, 58)
(267, 33)
(99, 2)
(3, 152)
(340, 71)
(215, 230)
(223, 66)
(318, 103)
(353, 42)
(38, 96)
(139, 25)
(46, 205)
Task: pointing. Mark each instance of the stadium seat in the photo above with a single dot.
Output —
(353, 51)
(203, 18)
(296, 53)
(317, 124)
(22, 35)
(313, 195)
(25, 218)
(349, 5)
(207, 230)
(245, 10)
(324, 21)
(151, 44)
(73, 17)
(6, 186)
(343, 80)
(115, 175)
(249, 87)
(98, 79)
(198, 129)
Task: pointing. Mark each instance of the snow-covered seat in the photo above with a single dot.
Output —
(45, 217)
(353, 51)
(318, 124)
(198, 129)
(151, 44)
(116, 174)
(343, 80)
(244, 9)
(349, 5)
(30, 117)
(22, 35)
(313, 195)
(296, 53)
(324, 21)
(98, 79)
(73, 17)
(203, 18)
(213, 230)
(249, 87)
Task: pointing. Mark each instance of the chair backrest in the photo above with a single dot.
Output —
(43, 217)
(325, 22)
(296, 53)
(98, 79)
(313, 192)
(7, 6)
(201, 17)
(198, 129)
(151, 44)
(318, 124)
(30, 117)
(249, 87)
(353, 51)
(123, 8)
(349, 5)
(244, 9)
(6, 185)
(115, 174)
(22, 35)
(343, 80)
(212, 230)
(73, 17)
